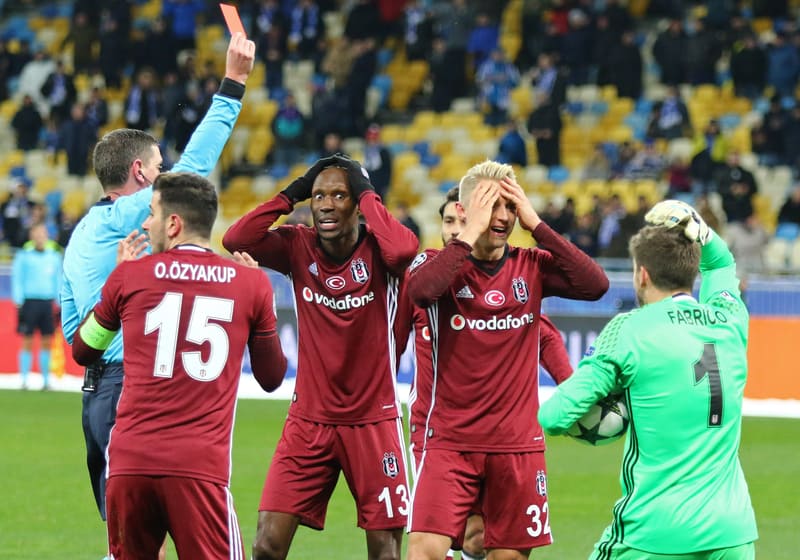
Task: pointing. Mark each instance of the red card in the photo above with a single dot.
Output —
(232, 19)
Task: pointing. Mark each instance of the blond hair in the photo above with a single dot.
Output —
(492, 170)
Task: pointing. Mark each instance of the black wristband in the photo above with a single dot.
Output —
(231, 88)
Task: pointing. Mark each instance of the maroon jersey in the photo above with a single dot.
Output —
(187, 314)
(552, 355)
(485, 331)
(346, 365)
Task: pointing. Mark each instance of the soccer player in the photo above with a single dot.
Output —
(35, 281)
(187, 316)
(481, 441)
(681, 364)
(345, 414)
(552, 352)
(126, 162)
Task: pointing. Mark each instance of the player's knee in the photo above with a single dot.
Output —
(384, 545)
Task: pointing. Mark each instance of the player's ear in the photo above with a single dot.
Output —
(461, 211)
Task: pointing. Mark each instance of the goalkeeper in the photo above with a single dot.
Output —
(681, 364)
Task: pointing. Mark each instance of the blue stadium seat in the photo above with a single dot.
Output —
(53, 201)
(430, 160)
(729, 121)
(575, 107)
(18, 172)
(422, 148)
(644, 106)
(558, 174)
(445, 186)
(788, 102)
(279, 171)
(788, 231)
(599, 108)
(384, 57)
(398, 148)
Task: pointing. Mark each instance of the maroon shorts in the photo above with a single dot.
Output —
(511, 489)
(141, 509)
(306, 466)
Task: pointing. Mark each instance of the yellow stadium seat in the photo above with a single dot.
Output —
(597, 187)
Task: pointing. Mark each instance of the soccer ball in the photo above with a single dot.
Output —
(606, 422)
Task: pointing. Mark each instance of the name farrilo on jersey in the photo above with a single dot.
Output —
(495, 323)
(337, 304)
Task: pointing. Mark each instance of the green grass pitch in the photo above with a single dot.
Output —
(47, 510)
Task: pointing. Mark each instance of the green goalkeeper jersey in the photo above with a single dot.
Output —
(682, 365)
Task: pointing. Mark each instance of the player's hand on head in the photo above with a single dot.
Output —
(676, 213)
(243, 258)
(528, 217)
(240, 57)
(356, 174)
(300, 189)
(132, 247)
(479, 210)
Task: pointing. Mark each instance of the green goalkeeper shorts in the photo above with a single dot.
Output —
(622, 552)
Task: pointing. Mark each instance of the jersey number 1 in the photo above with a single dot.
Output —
(166, 319)
(708, 365)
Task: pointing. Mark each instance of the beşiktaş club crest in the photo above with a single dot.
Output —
(519, 287)
(541, 483)
(391, 468)
(359, 270)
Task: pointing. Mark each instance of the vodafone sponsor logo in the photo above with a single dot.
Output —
(335, 282)
(495, 298)
(495, 323)
(337, 304)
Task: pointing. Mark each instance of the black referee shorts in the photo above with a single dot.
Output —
(36, 315)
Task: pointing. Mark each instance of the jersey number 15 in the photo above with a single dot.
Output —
(166, 319)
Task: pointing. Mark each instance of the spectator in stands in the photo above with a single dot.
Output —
(702, 53)
(156, 50)
(669, 50)
(710, 216)
(511, 148)
(97, 108)
(679, 179)
(547, 79)
(306, 30)
(648, 163)
(561, 219)
(605, 42)
(16, 212)
(584, 234)
(332, 145)
(377, 161)
(495, 79)
(142, 103)
(181, 17)
(748, 68)
(625, 61)
(77, 136)
(746, 240)
(113, 49)
(576, 48)
(403, 215)
(417, 30)
(597, 166)
(6, 61)
(443, 76)
(533, 14)
(612, 240)
(59, 92)
(544, 124)
(187, 113)
(290, 130)
(626, 152)
(33, 76)
(363, 21)
(83, 36)
(330, 114)
(27, 123)
(669, 118)
(790, 210)
(20, 59)
(455, 19)
(483, 40)
(791, 138)
(774, 128)
(737, 187)
(269, 30)
(783, 65)
(365, 64)
(710, 151)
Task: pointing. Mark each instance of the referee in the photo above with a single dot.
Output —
(35, 281)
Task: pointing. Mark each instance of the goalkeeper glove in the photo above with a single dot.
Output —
(671, 213)
(300, 189)
(356, 175)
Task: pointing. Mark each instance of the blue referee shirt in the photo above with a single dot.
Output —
(91, 254)
(35, 274)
